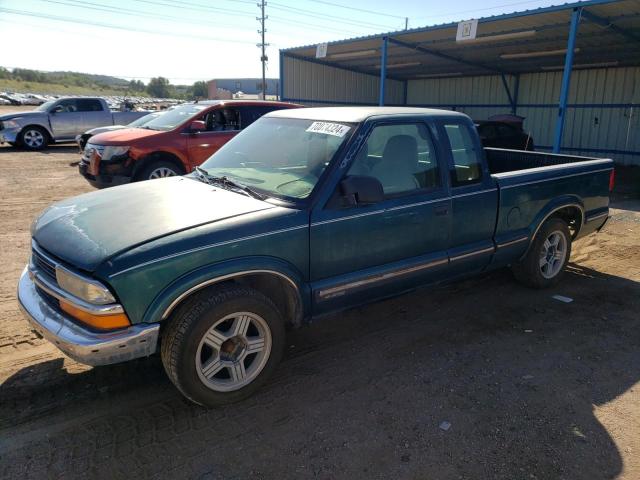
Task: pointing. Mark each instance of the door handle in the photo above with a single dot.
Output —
(441, 211)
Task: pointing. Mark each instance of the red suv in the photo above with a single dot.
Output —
(172, 144)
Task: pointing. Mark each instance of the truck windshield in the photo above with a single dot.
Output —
(282, 157)
(172, 118)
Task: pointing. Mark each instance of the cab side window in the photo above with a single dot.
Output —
(89, 105)
(401, 157)
(467, 167)
(248, 115)
(68, 105)
(222, 120)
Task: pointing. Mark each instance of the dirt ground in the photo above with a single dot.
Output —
(533, 388)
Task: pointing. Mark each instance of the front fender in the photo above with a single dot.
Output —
(202, 277)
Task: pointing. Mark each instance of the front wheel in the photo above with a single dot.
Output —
(544, 263)
(34, 138)
(159, 169)
(223, 344)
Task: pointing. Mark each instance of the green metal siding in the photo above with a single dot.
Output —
(604, 105)
(307, 81)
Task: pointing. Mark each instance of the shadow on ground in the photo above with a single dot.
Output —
(362, 394)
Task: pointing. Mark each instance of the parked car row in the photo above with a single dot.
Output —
(307, 212)
(14, 98)
(60, 121)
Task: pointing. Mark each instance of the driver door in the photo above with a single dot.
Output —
(65, 123)
(363, 252)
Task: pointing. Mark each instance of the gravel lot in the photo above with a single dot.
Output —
(532, 388)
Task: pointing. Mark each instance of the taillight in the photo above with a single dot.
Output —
(612, 180)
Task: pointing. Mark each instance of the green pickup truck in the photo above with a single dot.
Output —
(305, 213)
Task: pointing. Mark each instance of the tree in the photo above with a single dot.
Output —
(4, 73)
(159, 87)
(136, 85)
(200, 90)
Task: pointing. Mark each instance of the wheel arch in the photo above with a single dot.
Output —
(569, 208)
(39, 126)
(278, 281)
(161, 155)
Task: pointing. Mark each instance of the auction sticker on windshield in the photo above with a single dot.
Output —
(328, 128)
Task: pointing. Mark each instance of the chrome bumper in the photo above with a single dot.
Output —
(79, 343)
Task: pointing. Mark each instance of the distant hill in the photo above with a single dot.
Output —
(25, 80)
(106, 80)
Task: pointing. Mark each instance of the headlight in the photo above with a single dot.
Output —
(10, 124)
(88, 290)
(110, 152)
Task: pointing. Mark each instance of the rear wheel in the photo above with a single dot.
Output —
(544, 263)
(159, 169)
(34, 138)
(223, 344)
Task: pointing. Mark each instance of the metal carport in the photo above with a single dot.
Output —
(519, 62)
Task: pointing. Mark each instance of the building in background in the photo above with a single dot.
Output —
(573, 71)
(247, 87)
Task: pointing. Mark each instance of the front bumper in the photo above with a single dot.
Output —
(102, 180)
(9, 135)
(80, 343)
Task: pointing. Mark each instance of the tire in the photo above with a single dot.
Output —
(205, 353)
(33, 138)
(544, 263)
(159, 169)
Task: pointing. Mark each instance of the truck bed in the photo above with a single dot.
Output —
(503, 161)
(533, 185)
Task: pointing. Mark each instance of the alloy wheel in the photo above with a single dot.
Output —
(233, 352)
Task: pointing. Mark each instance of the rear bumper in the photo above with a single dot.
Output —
(79, 343)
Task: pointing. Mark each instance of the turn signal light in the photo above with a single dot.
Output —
(101, 322)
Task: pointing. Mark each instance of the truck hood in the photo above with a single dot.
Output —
(11, 116)
(87, 230)
(109, 128)
(124, 136)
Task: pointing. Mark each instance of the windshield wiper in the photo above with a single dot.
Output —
(227, 184)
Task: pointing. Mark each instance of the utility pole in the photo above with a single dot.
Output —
(263, 46)
(406, 23)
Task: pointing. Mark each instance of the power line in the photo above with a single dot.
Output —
(371, 12)
(460, 12)
(59, 18)
(129, 12)
(323, 16)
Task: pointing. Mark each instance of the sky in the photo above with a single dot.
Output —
(190, 40)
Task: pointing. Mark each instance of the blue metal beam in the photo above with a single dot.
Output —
(566, 78)
(383, 69)
(516, 90)
(505, 83)
(605, 22)
(334, 65)
(445, 56)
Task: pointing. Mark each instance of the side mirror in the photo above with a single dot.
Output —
(57, 109)
(361, 190)
(197, 126)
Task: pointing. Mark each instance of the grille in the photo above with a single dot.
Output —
(51, 300)
(44, 265)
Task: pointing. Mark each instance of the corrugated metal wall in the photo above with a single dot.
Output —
(316, 84)
(602, 118)
(478, 97)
